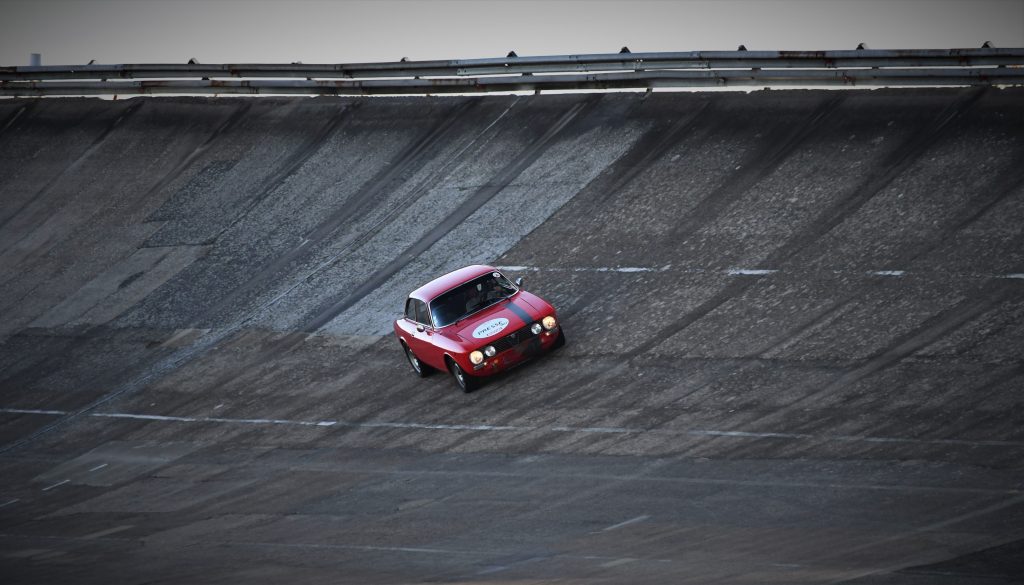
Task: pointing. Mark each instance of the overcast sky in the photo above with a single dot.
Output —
(343, 31)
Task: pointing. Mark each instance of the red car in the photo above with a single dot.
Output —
(474, 322)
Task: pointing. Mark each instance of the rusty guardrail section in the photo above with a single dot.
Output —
(860, 67)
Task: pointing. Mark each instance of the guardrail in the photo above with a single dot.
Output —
(860, 67)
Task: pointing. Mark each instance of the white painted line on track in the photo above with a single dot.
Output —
(98, 467)
(445, 427)
(499, 568)
(749, 435)
(404, 549)
(108, 532)
(207, 419)
(617, 563)
(518, 268)
(355, 547)
(626, 269)
(597, 430)
(626, 523)
(555, 429)
(737, 271)
(59, 483)
(31, 411)
(621, 269)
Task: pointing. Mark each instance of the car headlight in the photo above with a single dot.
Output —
(535, 328)
(549, 322)
(476, 357)
(489, 351)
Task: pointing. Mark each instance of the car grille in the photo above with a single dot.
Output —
(513, 339)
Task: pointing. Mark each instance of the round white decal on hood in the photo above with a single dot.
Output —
(489, 328)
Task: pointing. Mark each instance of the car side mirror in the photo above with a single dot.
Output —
(420, 327)
(520, 282)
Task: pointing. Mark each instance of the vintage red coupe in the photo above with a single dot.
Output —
(474, 322)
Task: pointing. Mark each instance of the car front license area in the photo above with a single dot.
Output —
(515, 348)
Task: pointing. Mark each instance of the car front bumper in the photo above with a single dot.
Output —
(522, 351)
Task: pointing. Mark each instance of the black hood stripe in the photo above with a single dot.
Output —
(520, 312)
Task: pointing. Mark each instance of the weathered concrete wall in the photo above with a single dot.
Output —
(796, 325)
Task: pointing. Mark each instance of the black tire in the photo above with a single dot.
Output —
(560, 340)
(419, 368)
(463, 381)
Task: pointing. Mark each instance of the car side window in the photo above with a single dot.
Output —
(410, 309)
(422, 316)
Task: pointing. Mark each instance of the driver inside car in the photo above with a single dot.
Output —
(484, 294)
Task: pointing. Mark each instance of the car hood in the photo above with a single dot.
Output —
(496, 321)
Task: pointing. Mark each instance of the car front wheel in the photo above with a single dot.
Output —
(464, 381)
(560, 340)
(419, 368)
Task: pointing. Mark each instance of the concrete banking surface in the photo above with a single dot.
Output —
(795, 321)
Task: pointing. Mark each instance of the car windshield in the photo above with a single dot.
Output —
(470, 297)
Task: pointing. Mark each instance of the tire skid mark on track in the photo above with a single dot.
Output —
(982, 392)
(716, 203)
(579, 385)
(288, 168)
(16, 116)
(647, 150)
(186, 161)
(781, 142)
(480, 197)
(409, 160)
(152, 373)
(37, 216)
(1004, 183)
(232, 371)
(819, 319)
(415, 193)
(183, 163)
(753, 359)
(900, 348)
(927, 333)
(644, 152)
(53, 349)
(887, 541)
(895, 164)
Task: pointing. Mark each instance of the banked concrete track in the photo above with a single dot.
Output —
(795, 320)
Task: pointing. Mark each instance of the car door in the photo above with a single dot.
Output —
(420, 342)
